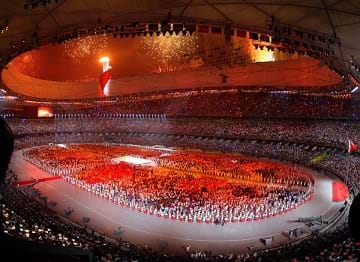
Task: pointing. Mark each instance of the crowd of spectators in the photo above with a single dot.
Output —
(234, 103)
(218, 103)
(330, 133)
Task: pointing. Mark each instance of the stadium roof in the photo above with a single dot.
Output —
(340, 17)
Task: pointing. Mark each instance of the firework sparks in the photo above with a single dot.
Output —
(86, 46)
(171, 52)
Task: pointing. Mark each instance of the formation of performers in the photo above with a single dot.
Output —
(194, 187)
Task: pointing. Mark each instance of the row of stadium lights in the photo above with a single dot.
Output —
(181, 29)
(133, 31)
(114, 115)
(280, 30)
(310, 51)
(7, 115)
(36, 3)
(154, 30)
(354, 64)
(4, 27)
(300, 39)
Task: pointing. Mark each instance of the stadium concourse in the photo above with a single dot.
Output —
(179, 130)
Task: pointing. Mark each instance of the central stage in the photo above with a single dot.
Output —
(136, 161)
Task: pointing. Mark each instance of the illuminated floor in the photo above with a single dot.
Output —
(145, 229)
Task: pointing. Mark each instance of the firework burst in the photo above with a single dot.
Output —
(171, 52)
(91, 45)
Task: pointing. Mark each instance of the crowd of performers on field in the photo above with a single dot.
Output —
(188, 186)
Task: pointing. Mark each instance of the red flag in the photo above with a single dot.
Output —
(340, 191)
(351, 146)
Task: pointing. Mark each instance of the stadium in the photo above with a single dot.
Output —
(194, 130)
